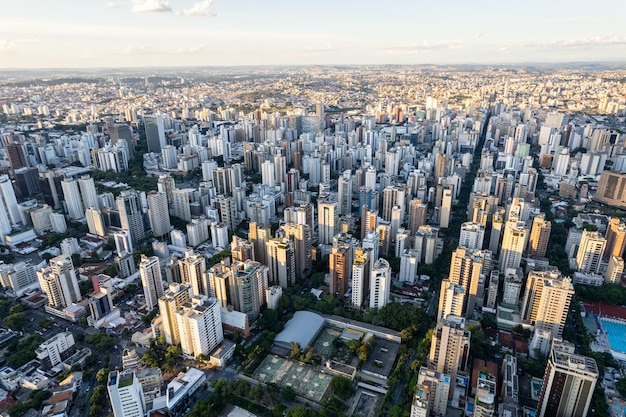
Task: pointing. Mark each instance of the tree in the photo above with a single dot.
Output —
(16, 321)
(341, 387)
(298, 411)
(296, 350)
(102, 375)
(621, 386)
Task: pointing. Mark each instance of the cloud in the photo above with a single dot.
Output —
(13, 44)
(597, 41)
(137, 50)
(201, 8)
(192, 49)
(150, 6)
(111, 5)
(425, 47)
(570, 19)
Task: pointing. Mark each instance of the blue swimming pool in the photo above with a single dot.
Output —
(616, 334)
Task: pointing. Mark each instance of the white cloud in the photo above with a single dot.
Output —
(570, 19)
(137, 50)
(192, 49)
(597, 41)
(201, 8)
(111, 5)
(13, 44)
(149, 6)
(425, 47)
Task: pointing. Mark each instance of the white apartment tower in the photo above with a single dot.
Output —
(590, 252)
(58, 281)
(450, 347)
(159, 213)
(176, 295)
(360, 276)
(328, 221)
(380, 283)
(88, 192)
(73, 201)
(513, 244)
(150, 271)
(8, 202)
(126, 395)
(200, 326)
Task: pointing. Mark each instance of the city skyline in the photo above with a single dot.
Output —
(139, 33)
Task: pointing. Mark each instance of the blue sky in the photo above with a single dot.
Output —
(132, 33)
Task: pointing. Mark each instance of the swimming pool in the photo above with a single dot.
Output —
(615, 332)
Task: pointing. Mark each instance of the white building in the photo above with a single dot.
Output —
(380, 284)
(200, 326)
(126, 395)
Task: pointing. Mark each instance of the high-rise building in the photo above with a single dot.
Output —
(328, 221)
(228, 213)
(155, 133)
(73, 201)
(513, 244)
(180, 204)
(302, 239)
(590, 252)
(612, 189)
(539, 237)
(465, 271)
(88, 192)
(268, 173)
(176, 295)
(126, 395)
(95, 223)
(167, 185)
(15, 154)
(281, 262)
(344, 194)
(417, 215)
(58, 281)
(393, 195)
(472, 235)
(426, 243)
(408, 266)
(247, 287)
(199, 326)
(614, 270)
(151, 279)
(131, 216)
(340, 262)
(452, 300)
(193, 272)
(546, 301)
(380, 283)
(360, 276)
(615, 239)
(159, 213)
(568, 383)
(259, 236)
(446, 208)
(431, 395)
(450, 348)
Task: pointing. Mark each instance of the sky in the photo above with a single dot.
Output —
(171, 33)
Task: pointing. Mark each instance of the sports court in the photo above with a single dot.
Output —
(305, 380)
(324, 342)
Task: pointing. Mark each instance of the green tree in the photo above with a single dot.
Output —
(16, 321)
(341, 387)
(621, 386)
(102, 375)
